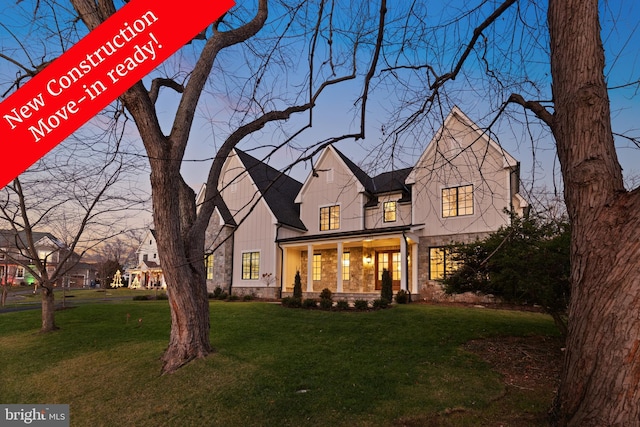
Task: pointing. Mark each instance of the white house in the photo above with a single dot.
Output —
(148, 272)
(341, 227)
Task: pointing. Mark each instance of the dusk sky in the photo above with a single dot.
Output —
(335, 113)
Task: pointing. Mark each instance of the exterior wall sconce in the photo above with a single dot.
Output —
(367, 259)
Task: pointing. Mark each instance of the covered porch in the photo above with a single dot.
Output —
(351, 264)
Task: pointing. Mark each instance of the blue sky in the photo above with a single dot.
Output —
(514, 54)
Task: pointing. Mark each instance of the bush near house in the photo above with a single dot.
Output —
(297, 286)
(386, 292)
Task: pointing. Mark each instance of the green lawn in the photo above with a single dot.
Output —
(273, 366)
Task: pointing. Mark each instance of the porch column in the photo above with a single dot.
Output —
(309, 268)
(339, 270)
(404, 274)
(414, 269)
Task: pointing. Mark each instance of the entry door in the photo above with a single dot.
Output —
(392, 261)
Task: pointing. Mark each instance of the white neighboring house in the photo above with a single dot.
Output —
(147, 273)
(341, 228)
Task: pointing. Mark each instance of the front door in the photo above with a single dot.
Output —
(392, 261)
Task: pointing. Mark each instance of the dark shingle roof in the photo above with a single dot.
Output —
(278, 190)
(9, 239)
(391, 181)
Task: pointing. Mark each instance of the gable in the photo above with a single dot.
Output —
(331, 164)
(246, 180)
(455, 142)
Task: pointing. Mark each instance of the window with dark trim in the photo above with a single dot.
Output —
(317, 267)
(457, 201)
(209, 266)
(330, 218)
(250, 265)
(389, 211)
(441, 263)
(346, 266)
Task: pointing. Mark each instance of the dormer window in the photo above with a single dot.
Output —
(389, 211)
(330, 218)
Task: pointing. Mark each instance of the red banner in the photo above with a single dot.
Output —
(94, 72)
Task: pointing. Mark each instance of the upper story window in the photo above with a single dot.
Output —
(20, 273)
(330, 218)
(457, 201)
(389, 211)
(250, 265)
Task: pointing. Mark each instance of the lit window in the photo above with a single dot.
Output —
(250, 265)
(317, 266)
(389, 209)
(330, 218)
(441, 263)
(457, 201)
(346, 266)
(20, 273)
(209, 266)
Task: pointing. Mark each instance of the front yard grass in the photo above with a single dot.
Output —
(272, 367)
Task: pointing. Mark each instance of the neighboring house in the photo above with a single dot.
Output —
(147, 273)
(341, 228)
(15, 260)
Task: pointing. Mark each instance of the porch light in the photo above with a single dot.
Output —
(367, 259)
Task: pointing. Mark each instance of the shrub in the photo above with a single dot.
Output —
(326, 303)
(326, 294)
(223, 296)
(342, 304)
(380, 303)
(248, 297)
(386, 291)
(309, 303)
(162, 296)
(217, 291)
(402, 297)
(361, 304)
(141, 297)
(292, 302)
(233, 297)
(297, 286)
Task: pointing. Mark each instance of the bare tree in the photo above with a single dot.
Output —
(77, 195)
(260, 96)
(497, 49)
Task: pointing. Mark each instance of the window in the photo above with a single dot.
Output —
(441, 263)
(208, 260)
(389, 211)
(346, 266)
(20, 273)
(392, 262)
(330, 176)
(1, 273)
(317, 266)
(457, 201)
(250, 265)
(330, 218)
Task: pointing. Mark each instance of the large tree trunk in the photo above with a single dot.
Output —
(181, 251)
(48, 310)
(601, 376)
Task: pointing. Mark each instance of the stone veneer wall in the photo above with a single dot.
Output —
(361, 276)
(222, 257)
(432, 290)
